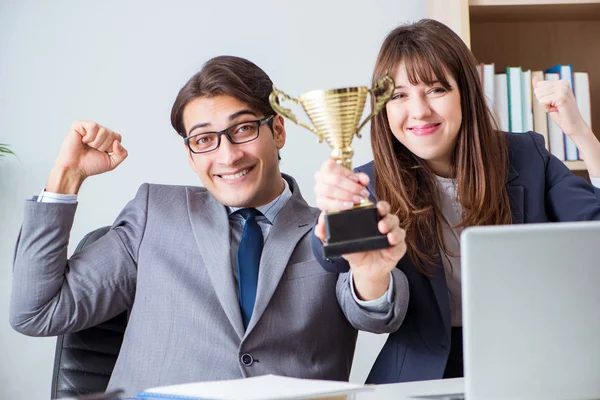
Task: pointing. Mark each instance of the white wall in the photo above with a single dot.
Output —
(122, 63)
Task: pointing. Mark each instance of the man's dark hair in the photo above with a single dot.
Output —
(225, 75)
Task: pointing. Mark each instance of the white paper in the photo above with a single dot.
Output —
(264, 387)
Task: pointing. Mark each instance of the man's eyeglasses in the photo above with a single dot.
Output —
(243, 132)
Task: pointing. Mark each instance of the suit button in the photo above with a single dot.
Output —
(247, 360)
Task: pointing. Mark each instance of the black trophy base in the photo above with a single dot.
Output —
(353, 231)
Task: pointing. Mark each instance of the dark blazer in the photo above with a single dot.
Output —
(541, 189)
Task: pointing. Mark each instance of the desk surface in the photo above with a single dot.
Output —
(403, 391)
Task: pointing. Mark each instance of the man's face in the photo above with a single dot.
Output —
(238, 175)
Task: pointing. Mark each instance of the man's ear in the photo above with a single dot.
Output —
(279, 133)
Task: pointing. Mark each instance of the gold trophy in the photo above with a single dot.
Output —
(335, 115)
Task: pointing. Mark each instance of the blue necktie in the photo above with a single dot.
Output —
(248, 259)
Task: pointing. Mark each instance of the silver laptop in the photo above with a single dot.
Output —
(531, 311)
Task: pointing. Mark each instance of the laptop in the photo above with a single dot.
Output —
(531, 312)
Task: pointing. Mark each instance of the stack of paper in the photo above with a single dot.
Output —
(265, 387)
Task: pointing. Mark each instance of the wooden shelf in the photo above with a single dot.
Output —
(575, 165)
(528, 11)
(459, 14)
(538, 44)
(527, 2)
(533, 34)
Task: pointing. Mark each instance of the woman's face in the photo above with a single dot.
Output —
(426, 119)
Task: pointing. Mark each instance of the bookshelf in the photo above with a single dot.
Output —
(535, 34)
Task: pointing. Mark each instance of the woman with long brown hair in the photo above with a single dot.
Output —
(442, 165)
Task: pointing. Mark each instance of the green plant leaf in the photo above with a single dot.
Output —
(4, 150)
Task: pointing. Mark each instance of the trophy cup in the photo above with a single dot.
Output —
(335, 115)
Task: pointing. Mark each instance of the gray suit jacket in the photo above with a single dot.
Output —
(167, 259)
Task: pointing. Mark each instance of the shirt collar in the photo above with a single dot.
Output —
(271, 209)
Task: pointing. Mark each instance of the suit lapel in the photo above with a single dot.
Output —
(294, 221)
(516, 195)
(210, 226)
(440, 290)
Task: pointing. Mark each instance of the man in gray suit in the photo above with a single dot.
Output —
(220, 280)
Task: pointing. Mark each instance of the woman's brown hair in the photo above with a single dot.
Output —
(430, 50)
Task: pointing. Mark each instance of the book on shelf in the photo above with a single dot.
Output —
(527, 101)
(514, 76)
(515, 107)
(555, 134)
(540, 119)
(565, 72)
(501, 102)
(581, 87)
(488, 73)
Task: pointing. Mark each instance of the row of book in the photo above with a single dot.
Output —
(510, 96)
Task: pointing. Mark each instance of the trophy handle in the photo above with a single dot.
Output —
(286, 112)
(386, 83)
